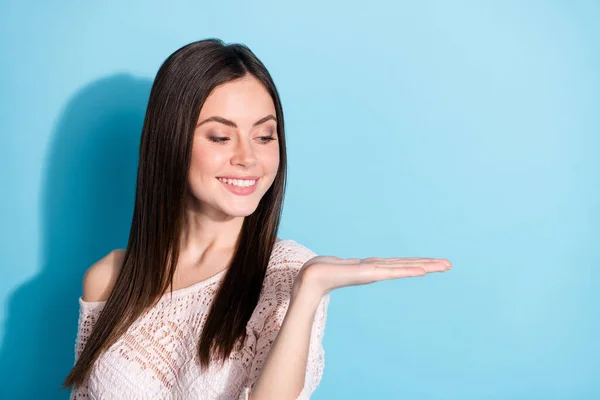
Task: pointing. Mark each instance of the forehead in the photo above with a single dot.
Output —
(243, 100)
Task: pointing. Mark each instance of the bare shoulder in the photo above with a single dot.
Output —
(100, 278)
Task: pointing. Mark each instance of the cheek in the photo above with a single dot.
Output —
(205, 161)
(271, 161)
(271, 166)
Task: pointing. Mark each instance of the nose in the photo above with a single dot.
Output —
(244, 154)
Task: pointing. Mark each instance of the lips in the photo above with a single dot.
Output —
(240, 190)
(242, 178)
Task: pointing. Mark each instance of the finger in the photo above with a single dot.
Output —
(429, 266)
(395, 273)
(412, 261)
(432, 263)
(407, 259)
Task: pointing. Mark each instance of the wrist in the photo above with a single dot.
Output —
(304, 293)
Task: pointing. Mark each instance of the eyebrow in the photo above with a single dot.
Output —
(232, 124)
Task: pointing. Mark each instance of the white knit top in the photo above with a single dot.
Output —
(157, 357)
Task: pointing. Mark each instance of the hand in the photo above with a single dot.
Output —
(325, 273)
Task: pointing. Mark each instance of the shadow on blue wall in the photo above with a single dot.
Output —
(86, 207)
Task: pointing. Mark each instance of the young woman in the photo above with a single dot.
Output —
(205, 302)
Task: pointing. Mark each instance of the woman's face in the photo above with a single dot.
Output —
(235, 152)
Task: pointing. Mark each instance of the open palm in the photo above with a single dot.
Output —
(329, 272)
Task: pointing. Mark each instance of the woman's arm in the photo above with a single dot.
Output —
(283, 374)
(88, 315)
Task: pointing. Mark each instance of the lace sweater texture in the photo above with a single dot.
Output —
(157, 357)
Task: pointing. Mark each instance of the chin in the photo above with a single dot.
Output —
(239, 211)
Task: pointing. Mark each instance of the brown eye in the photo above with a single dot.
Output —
(266, 139)
(218, 139)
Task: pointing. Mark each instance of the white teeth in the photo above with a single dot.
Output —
(238, 182)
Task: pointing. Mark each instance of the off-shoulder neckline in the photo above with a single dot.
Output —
(180, 291)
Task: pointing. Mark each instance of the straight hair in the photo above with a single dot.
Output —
(182, 85)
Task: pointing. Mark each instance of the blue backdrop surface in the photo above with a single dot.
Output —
(464, 130)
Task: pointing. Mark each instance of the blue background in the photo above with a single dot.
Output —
(455, 129)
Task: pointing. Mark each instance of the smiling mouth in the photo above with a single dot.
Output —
(241, 183)
(240, 187)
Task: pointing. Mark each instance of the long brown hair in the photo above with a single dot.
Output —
(180, 88)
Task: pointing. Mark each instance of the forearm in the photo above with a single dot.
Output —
(283, 373)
